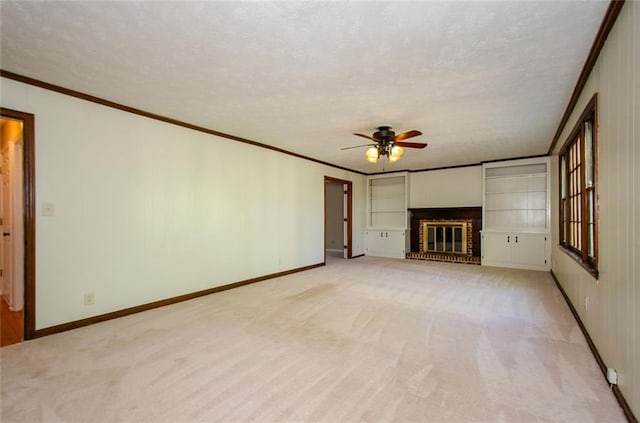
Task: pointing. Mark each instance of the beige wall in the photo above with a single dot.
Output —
(613, 313)
(458, 187)
(145, 210)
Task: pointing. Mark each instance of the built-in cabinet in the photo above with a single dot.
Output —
(392, 243)
(387, 233)
(515, 249)
(516, 214)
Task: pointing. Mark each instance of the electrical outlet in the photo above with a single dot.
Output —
(89, 298)
(612, 376)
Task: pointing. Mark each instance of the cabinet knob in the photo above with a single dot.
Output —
(508, 238)
(516, 239)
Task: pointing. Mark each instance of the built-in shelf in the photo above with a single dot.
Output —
(516, 195)
(387, 215)
(516, 214)
(387, 201)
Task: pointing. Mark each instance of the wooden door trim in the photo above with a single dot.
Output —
(349, 214)
(29, 210)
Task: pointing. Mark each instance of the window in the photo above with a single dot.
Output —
(578, 194)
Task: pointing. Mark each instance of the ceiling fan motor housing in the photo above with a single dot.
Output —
(384, 135)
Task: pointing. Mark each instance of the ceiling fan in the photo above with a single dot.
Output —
(387, 143)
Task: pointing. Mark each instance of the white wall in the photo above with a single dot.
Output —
(613, 315)
(457, 187)
(145, 210)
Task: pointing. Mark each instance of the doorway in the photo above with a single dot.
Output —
(337, 217)
(17, 221)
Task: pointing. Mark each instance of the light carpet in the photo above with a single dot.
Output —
(363, 340)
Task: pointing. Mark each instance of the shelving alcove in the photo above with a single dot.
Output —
(516, 214)
(387, 233)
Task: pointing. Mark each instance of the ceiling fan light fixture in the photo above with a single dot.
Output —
(372, 155)
(387, 143)
(396, 152)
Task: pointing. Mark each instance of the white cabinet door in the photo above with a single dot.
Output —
(396, 243)
(529, 249)
(496, 248)
(519, 250)
(374, 243)
(386, 243)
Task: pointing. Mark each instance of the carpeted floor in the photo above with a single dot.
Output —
(367, 339)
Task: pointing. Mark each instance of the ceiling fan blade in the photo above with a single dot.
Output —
(408, 134)
(357, 146)
(410, 144)
(367, 137)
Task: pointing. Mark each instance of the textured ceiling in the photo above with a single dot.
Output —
(481, 80)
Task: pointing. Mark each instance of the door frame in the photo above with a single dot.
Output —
(349, 193)
(29, 210)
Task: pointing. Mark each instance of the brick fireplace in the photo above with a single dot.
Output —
(446, 234)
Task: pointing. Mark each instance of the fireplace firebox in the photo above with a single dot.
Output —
(444, 237)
